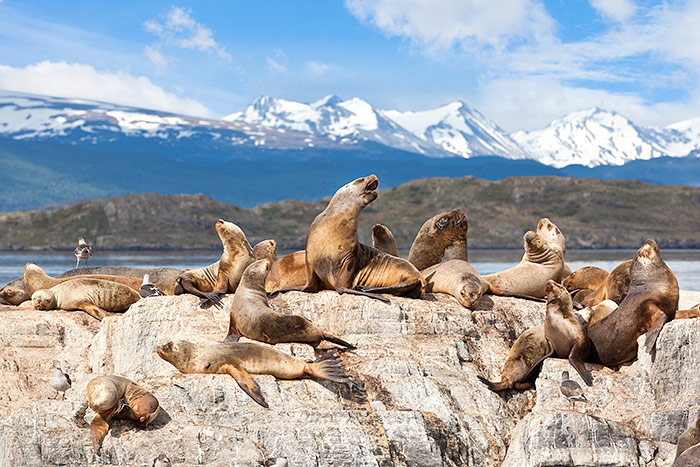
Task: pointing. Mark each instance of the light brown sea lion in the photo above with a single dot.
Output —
(689, 458)
(252, 317)
(564, 330)
(552, 235)
(693, 312)
(447, 229)
(614, 287)
(383, 240)
(587, 278)
(336, 260)
(117, 397)
(524, 357)
(266, 249)
(163, 278)
(597, 312)
(457, 278)
(241, 359)
(652, 300)
(287, 272)
(36, 279)
(539, 264)
(688, 438)
(14, 293)
(222, 276)
(93, 296)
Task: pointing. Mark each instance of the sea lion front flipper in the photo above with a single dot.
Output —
(99, 427)
(660, 318)
(297, 288)
(94, 311)
(493, 290)
(495, 387)
(576, 356)
(339, 341)
(212, 297)
(342, 290)
(402, 288)
(245, 381)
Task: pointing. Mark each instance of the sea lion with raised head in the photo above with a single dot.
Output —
(117, 397)
(93, 296)
(444, 231)
(539, 264)
(552, 235)
(252, 317)
(241, 359)
(36, 279)
(266, 249)
(383, 240)
(614, 287)
(222, 276)
(652, 301)
(336, 260)
(564, 331)
(287, 272)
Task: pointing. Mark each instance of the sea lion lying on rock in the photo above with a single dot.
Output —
(614, 287)
(287, 272)
(36, 279)
(583, 281)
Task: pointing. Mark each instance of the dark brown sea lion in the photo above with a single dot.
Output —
(564, 331)
(116, 397)
(614, 286)
(36, 279)
(336, 260)
(222, 276)
(287, 272)
(447, 229)
(652, 300)
(524, 357)
(252, 317)
(539, 264)
(688, 438)
(383, 240)
(266, 249)
(241, 359)
(93, 296)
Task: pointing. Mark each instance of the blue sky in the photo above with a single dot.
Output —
(523, 63)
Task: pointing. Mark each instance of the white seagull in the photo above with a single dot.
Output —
(148, 289)
(83, 251)
(60, 381)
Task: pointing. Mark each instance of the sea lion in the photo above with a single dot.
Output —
(688, 438)
(689, 458)
(539, 264)
(524, 357)
(457, 278)
(287, 272)
(252, 317)
(652, 300)
(36, 279)
(336, 260)
(266, 249)
(552, 235)
(447, 229)
(241, 359)
(383, 240)
(588, 278)
(564, 331)
(614, 286)
(117, 397)
(93, 296)
(222, 276)
(693, 312)
(597, 312)
(163, 278)
(14, 293)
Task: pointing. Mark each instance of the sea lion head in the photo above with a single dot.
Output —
(557, 294)
(255, 274)
(359, 192)
(454, 222)
(266, 249)
(232, 237)
(470, 291)
(13, 295)
(533, 243)
(44, 299)
(649, 252)
(551, 233)
(381, 231)
(146, 408)
(178, 353)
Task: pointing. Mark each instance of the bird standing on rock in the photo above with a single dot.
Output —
(83, 251)
(60, 381)
(148, 289)
(161, 461)
(571, 390)
(276, 462)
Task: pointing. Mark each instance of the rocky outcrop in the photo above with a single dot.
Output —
(415, 397)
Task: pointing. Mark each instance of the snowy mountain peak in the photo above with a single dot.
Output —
(329, 100)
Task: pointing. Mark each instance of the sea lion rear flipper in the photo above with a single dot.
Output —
(493, 290)
(536, 366)
(495, 387)
(339, 341)
(245, 381)
(211, 298)
(653, 333)
(403, 288)
(329, 367)
(94, 311)
(342, 290)
(289, 289)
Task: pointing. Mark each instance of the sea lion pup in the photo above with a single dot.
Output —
(287, 272)
(14, 293)
(564, 331)
(693, 312)
(447, 229)
(383, 240)
(614, 286)
(539, 264)
(336, 260)
(652, 300)
(690, 437)
(252, 317)
(689, 458)
(266, 249)
(163, 278)
(116, 397)
(93, 296)
(528, 351)
(36, 279)
(222, 276)
(588, 278)
(241, 359)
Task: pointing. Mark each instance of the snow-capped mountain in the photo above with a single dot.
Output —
(460, 129)
(345, 122)
(27, 116)
(595, 137)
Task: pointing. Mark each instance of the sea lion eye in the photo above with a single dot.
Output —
(442, 222)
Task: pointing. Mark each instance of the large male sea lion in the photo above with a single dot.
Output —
(539, 264)
(614, 287)
(36, 279)
(93, 296)
(117, 397)
(444, 231)
(652, 300)
(383, 240)
(287, 272)
(241, 359)
(336, 260)
(564, 330)
(222, 276)
(252, 317)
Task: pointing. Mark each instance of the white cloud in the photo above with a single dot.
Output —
(619, 10)
(79, 80)
(276, 66)
(156, 57)
(317, 68)
(178, 29)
